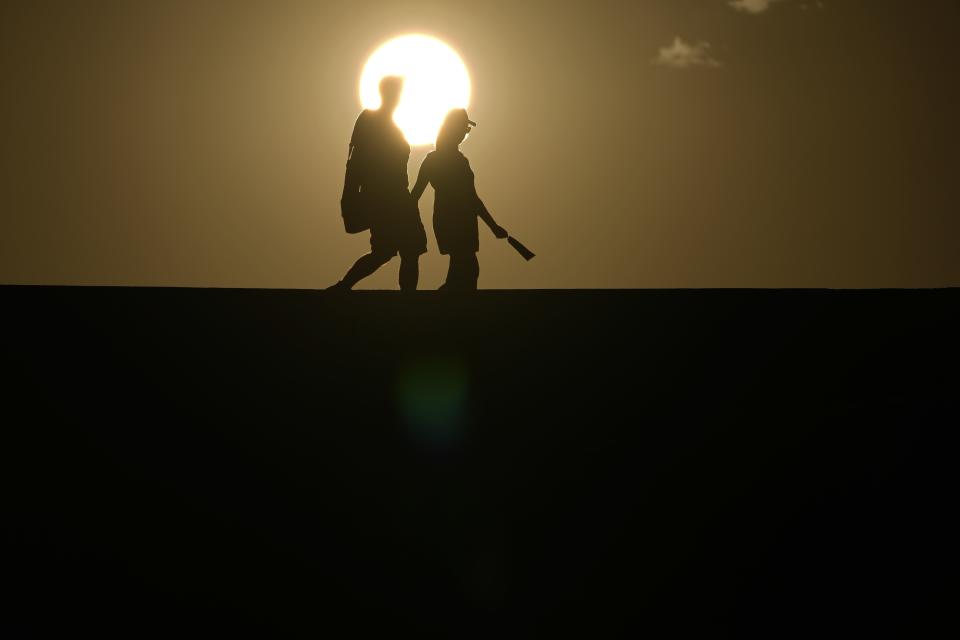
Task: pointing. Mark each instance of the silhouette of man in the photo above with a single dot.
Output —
(457, 206)
(377, 169)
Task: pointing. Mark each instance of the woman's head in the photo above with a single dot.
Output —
(391, 90)
(456, 125)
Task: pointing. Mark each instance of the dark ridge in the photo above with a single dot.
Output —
(743, 463)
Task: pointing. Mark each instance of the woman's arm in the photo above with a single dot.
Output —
(423, 178)
(353, 178)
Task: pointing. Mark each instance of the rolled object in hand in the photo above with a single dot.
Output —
(522, 250)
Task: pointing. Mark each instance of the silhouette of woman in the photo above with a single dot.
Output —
(456, 204)
(377, 167)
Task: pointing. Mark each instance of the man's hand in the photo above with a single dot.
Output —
(499, 231)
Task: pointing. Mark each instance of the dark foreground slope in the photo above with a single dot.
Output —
(749, 463)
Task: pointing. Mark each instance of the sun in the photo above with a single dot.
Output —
(435, 81)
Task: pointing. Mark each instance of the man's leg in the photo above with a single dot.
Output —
(362, 268)
(471, 268)
(452, 270)
(409, 271)
(463, 273)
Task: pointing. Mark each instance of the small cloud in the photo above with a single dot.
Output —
(684, 55)
(754, 7)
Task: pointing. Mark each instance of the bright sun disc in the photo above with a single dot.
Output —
(435, 81)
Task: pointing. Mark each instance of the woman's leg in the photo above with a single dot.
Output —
(362, 268)
(409, 271)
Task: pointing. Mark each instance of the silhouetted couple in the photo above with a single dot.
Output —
(375, 196)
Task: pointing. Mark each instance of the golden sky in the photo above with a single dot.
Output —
(644, 143)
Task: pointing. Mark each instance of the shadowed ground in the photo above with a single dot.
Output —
(749, 463)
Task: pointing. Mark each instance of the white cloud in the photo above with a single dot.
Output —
(752, 6)
(684, 55)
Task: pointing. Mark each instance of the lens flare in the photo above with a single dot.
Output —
(432, 396)
(435, 81)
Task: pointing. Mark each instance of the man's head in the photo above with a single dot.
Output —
(391, 88)
(454, 129)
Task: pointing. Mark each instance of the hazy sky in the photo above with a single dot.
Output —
(657, 143)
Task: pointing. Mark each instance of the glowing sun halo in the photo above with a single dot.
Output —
(435, 81)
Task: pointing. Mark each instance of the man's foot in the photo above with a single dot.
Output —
(340, 286)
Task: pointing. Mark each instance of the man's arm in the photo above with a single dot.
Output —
(484, 214)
